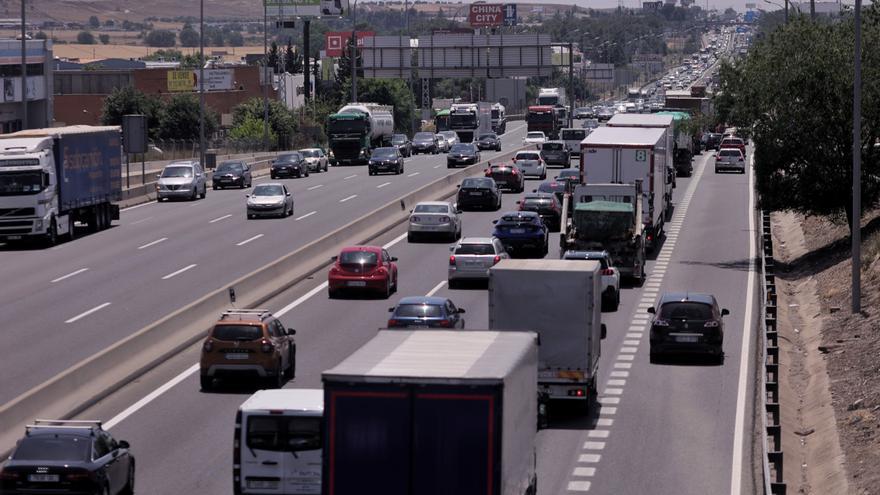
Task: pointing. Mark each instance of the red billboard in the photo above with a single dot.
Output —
(486, 15)
(336, 41)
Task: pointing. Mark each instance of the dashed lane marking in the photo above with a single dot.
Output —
(87, 313)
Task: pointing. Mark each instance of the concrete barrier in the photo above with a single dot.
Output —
(94, 378)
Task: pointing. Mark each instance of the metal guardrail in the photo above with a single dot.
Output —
(771, 421)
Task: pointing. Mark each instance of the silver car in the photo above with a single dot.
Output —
(315, 159)
(434, 218)
(472, 257)
(183, 179)
(442, 143)
(451, 138)
(530, 164)
(270, 200)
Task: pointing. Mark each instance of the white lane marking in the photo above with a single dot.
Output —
(305, 297)
(435, 289)
(254, 238)
(626, 357)
(437, 166)
(739, 428)
(625, 366)
(307, 215)
(594, 445)
(142, 220)
(178, 272)
(584, 471)
(349, 177)
(616, 383)
(224, 217)
(589, 458)
(139, 206)
(607, 411)
(609, 400)
(578, 486)
(343, 200)
(380, 186)
(395, 241)
(87, 313)
(71, 274)
(629, 350)
(315, 187)
(115, 420)
(613, 391)
(157, 241)
(631, 342)
(413, 174)
(620, 374)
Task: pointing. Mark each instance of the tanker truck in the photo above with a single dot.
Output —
(357, 128)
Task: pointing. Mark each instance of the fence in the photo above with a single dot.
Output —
(181, 149)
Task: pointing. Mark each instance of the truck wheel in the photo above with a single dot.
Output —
(71, 228)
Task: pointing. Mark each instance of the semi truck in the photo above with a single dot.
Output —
(544, 118)
(683, 149)
(499, 118)
(355, 129)
(468, 120)
(527, 294)
(433, 412)
(555, 97)
(606, 217)
(623, 155)
(52, 178)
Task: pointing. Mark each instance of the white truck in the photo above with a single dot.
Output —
(52, 178)
(499, 118)
(623, 155)
(527, 295)
(552, 96)
(654, 121)
(357, 128)
(468, 120)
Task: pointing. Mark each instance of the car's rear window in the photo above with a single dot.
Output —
(229, 167)
(424, 136)
(729, 152)
(53, 448)
(528, 156)
(552, 146)
(431, 209)
(564, 174)
(418, 311)
(283, 433)
(536, 202)
(488, 136)
(359, 257)
(535, 135)
(477, 183)
(686, 310)
(242, 333)
(289, 158)
(479, 249)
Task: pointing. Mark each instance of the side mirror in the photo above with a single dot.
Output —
(291, 331)
(458, 212)
(533, 190)
(247, 195)
(123, 444)
(458, 186)
(494, 221)
(518, 202)
(288, 194)
(390, 310)
(334, 258)
(603, 331)
(652, 310)
(394, 258)
(451, 248)
(158, 176)
(461, 310)
(725, 312)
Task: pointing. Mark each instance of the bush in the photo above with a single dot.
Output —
(160, 38)
(105, 38)
(85, 38)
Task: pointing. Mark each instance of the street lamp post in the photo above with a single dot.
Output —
(857, 165)
(353, 64)
(266, 77)
(24, 109)
(202, 83)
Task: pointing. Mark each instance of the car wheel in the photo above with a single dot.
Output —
(277, 380)
(215, 187)
(616, 303)
(716, 170)
(195, 194)
(204, 192)
(388, 288)
(206, 382)
(243, 184)
(410, 237)
(307, 171)
(272, 176)
(653, 356)
(128, 489)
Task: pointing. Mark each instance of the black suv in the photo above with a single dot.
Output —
(385, 160)
(546, 206)
(59, 456)
(289, 165)
(687, 322)
(232, 173)
(479, 192)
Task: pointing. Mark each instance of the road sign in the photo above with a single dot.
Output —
(336, 41)
(510, 14)
(486, 15)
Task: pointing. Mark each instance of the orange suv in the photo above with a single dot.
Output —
(248, 342)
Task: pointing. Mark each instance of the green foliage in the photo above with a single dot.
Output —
(293, 60)
(189, 37)
(793, 95)
(272, 57)
(94, 22)
(180, 120)
(390, 92)
(160, 38)
(281, 120)
(127, 100)
(251, 129)
(167, 55)
(234, 38)
(85, 38)
(105, 38)
(41, 35)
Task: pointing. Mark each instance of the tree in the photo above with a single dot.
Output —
(251, 130)
(160, 38)
(281, 120)
(180, 120)
(793, 94)
(293, 60)
(125, 101)
(105, 38)
(272, 57)
(234, 38)
(215, 36)
(41, 35)
(189, 37)
(94, 22)
(85, 38)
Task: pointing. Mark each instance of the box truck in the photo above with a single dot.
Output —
(655, 121)
(433, 412)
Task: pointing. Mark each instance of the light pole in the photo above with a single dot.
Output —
(353, 64)
(202, 83)
(857, 165)
(24, 109)
(266, 80)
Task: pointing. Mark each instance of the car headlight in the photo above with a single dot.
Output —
(38, 224)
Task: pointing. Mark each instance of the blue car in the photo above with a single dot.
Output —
(425, 312)
(522, 233)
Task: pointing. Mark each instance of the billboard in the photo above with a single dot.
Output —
(462, 55)
(188, 80)
(486, 15)
(307, 8)
(181, 80)
(336, 41)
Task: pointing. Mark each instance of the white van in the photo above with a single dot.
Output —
(278, 442)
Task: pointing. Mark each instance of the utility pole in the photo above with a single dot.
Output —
(202, 83)
(306, 80)
(24, 109)
(857, 166)
(570, 84)
(786, 12)
(266, 77)
(353, 64)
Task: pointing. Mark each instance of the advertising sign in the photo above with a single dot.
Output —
(188, 80)
(181, 80)
(486, 15)
(510, 14)
(336, 41)
(307, 8)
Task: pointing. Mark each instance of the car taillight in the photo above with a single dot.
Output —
(711, 324)
(717, 156)
(452, 261)
(392, 323)
(444, 323)
(266, 346)
(444, 219)
(80, 476)
(334, 269)
(9, 475)
(608, 271)
(209, 345)
(578, 392)
(496, 259)
(513, 170)
(650, 237)
(488, 172)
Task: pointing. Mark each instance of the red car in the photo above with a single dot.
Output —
(733, 142)
(363, 268)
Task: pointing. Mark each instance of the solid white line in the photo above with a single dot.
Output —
(145, 246)
(59, 279)
(305, 297)
(142, 220)
(307, 215)
(413, 174)
(224, 217)
(139, 206)
(178, 272)
(395, 241)
(738, 436)
(254, 238)
(115, 420)
(350, 177)
(380, 186)
(87, 313)
(315, 187)
(343, 200)
(435, 289)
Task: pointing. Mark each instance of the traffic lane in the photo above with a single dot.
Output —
(182, 267)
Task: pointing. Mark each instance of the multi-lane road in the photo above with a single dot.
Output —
(677, 428)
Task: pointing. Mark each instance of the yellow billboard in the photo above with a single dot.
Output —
(181, 80)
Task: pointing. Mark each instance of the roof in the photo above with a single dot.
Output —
(351, 249)
(434, 203)
(624, 136)
(544, 265)
(288, 399)
(604, 206)
(432, 301)
(476, 240)
(470, 355)
(352, 115)
(641, 120)
(675, 115)
(539, 195)
(521, 214)
(542, 108)
(698, 297)
(57, 131)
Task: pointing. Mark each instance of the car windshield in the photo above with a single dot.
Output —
(358, 258)
(177, 172)
(284, 433)
(487, 137)
(423, 136)
(551, 187)
(528, 156)
(12, 183)
(269, 190)
(686, 311)
(289, 158)
(53, 448)
(535, 135)
(480, 249)
(449, 135)
(310, 153)
(228, 168)
(553, 146)
(398, 139)
(418, 311)
(461, 148)
(477, 183)
(431, 209)
(385, 153)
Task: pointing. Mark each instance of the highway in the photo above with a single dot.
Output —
(678, 428)
(161, 256)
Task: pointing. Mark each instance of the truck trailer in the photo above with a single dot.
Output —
(433, 412)
(52, 178)
(658, 121)
(356, 129)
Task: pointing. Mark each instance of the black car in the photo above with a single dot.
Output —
(289, 165)
(232, 173)
(711, 140)
(479, 192)
(556, 187)
(76, 457)
(522, 233)
(546, 206)
(425, 312)
(489, 141)
(687, 322)
(569, 174)
(385, 160)
(555, 153)
(425, 142)
(507, 175)
(462, 154)
(403, 144)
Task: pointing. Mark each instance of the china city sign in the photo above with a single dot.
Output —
(486, 15)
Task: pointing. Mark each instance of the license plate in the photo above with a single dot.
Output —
(517, 231)
(476, 194)
(690, 339)
(43, 478)
(225, 180)
(356, 283)
(417, 327)
(264, 484)
(236, 356)
(14, 237)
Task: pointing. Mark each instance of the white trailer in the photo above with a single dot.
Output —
(527, 295)
(622, 155)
